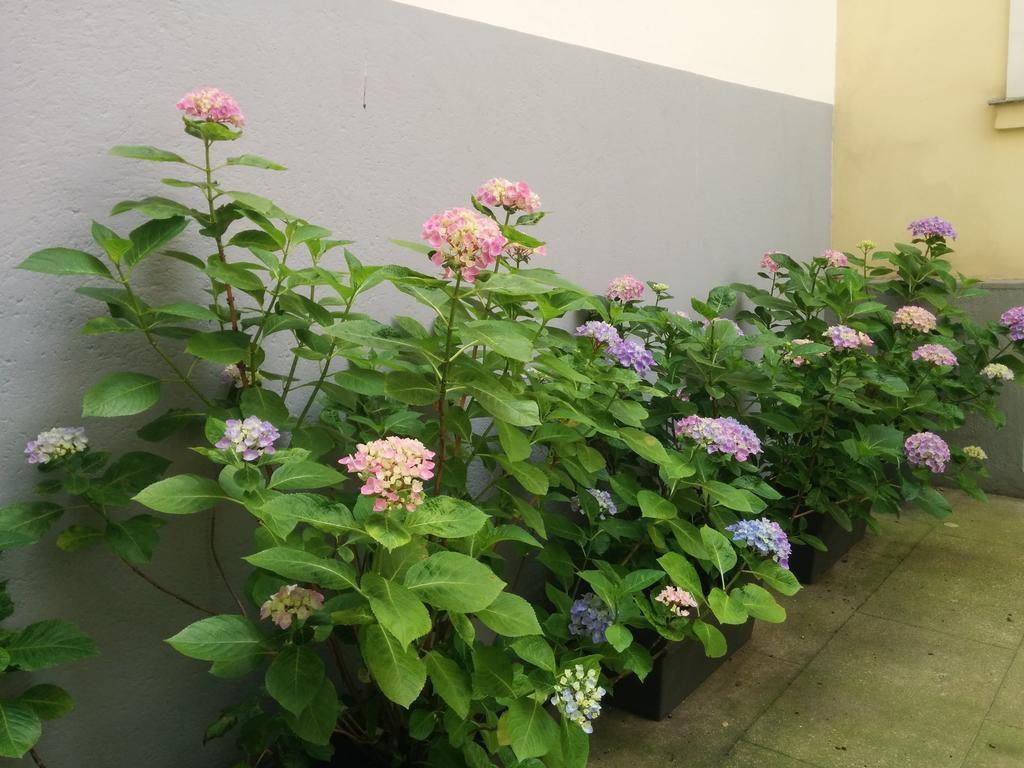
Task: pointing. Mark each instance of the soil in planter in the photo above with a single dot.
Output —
(677, 673)
(809, 564)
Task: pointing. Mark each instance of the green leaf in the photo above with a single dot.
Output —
(121, 394)
(715, 645)
(20, 728)
(759, 603)
(218, 638)
(619, 637)
(48, 643)
(154, 234)
(65, 261)
(288, 510)
(265, 404)
(503, 336)
(511, 616)
(398, 610)
(316, 723)
(304, 474)
(654, 506)
(294, 676)
(225, 347)
(399, 672)
(644, 445)
(25, 522)
(454, 582)
(187, 311)
(153, 207)
(628, 412)
(233, 275)
(255, 161)
(48, 701)
(530, 729)
(387, 530)
(682, 573)
(720, 549)
(535, 650)
(141, 152)
(514, 411)
(446, 518)
(514, 443)
(77, 537)
(302, 566)
(727, 609)
(134, 539)
(734, 498)
(181, 495)
(530, 476)
(410, 388)
(777, 577)
(450, 682)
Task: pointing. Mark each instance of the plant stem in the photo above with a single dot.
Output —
(327, 367)
(442, 389)
(36, 758)
(166, 591)
(220, 568)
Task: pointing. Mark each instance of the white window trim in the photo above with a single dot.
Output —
(1015, 52)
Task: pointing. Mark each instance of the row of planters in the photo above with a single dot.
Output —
(475, 525)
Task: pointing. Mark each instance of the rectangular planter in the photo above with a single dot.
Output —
(807, 563)
(677, 673)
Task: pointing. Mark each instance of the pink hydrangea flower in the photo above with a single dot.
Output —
(213, 105)
(289, 603)
(845, 337)
(677, 600)
(797, 360)
(926, 449)
(768, 263)
(721, 435)
(625, 288)
(393, 470)
(466, 242)
(1013, 320)
(936, 354)
(915, 319)
(835, 258)
(511, 195)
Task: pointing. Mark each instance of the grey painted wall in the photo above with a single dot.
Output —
(648, 170)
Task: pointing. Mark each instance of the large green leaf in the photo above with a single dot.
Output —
(219, 638)
(399, 672)
(644, 445)
(454, 582)
(682, 573)
(264, 403)
(294, 677)
(503, 336)
(720, 549)
(530, 729)
(224, 347)
(48, 701)
(777, 577)
(154, 234)
(759, 603)
(514, 443)
(255, 161)
(316, 723)
(530, 476)
(536, 650)
(450, 682)
(398, 610)
(727, 608)
(181, 495)
(302, 566)
(654, 506)
(65, 261)
(410, 388)
(288, 510)
(48, 643)
(20, 728)
(304, 474)
(121, 394)
(511, 616)
(140, 152)
(714, 642)
(738, 499)
(25, 522)
(134, 539)
(516, 411)
(446, 518)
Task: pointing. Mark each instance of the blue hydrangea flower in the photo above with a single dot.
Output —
(764, 535)
(604, 502)
(590, 616)
(578, 696)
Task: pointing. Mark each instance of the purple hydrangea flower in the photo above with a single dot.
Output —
(722, 435)
(764, 535)
(631, 353)
(926, 449)
(590, 616)
(251, 438)
(936, 226)
(845, 337)
(600, 331)
(936, 354)
(604, 502)
(578, 696)
(1013, 320)
(56, 443)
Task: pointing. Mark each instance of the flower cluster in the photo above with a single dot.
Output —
(511, 195)
(392, 469)
(659, 288)
(630, 353)
(764, 535)
(251, 438)
(625, 288)
(797, 360)
(56, 443)
(975, 452)
(997, 371)
(835, 258)
(936, 354)
(914, 319)
(722, 435)
(936, 226)
(212, 105)
(466, 243)
(866, 245)
(600, 331)
(926, 449)
(677, 600)
(845, 337)
(590, 617)
(768, 263)
(232, 375)
(605, 503)
(578, 696)
(1013, 320)
(522, 254)
(289, 603)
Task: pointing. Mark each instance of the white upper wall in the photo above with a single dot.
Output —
(787, 46)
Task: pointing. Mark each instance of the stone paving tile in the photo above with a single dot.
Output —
(997, 746)
(999, 519)
(966, 587)
(703, 728)
(746, 755)
(885, 695)
(1008, 708)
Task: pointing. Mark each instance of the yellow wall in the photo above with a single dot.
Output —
(914, 134)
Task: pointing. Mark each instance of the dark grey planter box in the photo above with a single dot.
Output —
(676, 674)
(808, 564)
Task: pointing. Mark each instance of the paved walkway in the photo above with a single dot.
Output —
(907, 655)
